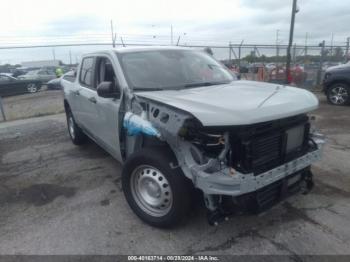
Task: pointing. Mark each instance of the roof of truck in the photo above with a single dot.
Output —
(146, 48)
(130, 49)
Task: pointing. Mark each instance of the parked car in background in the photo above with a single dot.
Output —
(270, 66)
(12, 86)
(54, 84)
(19, 71)
(336, 84)
(42, 75)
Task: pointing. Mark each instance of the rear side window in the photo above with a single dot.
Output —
(85, 77)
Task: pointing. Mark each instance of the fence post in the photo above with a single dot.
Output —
(294, 53)
(347, 49)
(2, 109)
(319, 73)
(229, 52)
(239, 54)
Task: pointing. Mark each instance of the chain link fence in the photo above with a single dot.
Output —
(268, 62)
(252, 62)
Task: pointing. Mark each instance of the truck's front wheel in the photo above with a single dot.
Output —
(156, 190)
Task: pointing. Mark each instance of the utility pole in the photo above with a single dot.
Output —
(229, 51)
(331, 51)
(239, 53)
(347, 49)
(70, 57)
(171, 35)
(291, 32)
(294, 53)
(306, 38)
(114, 35)
(277, 41)
(178, 40)
(53, 54)
(121, 40)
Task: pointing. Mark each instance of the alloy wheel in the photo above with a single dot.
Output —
(32, 88)
(338, 95)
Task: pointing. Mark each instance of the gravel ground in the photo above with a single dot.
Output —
(33, 105)
(56, 198)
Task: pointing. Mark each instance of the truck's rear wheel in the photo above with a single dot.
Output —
(157, 192)
(76, 134)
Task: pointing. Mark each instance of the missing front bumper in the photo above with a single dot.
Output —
(261, 199)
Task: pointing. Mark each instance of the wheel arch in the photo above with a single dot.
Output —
(66, 105)
(145, 141)
(337, 81)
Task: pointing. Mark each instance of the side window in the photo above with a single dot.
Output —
(85, 77)
(105, 71)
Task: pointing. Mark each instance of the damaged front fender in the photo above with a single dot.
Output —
(136, 125)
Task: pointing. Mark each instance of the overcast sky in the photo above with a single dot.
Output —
(24, 22)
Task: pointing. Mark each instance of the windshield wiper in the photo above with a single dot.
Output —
(205, 84)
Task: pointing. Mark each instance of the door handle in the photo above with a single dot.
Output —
(77, 93)
(92, 99)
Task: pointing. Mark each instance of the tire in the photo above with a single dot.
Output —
(32, 88)
(338, 94)
(158, 193)
(38, 86)
(76, 134)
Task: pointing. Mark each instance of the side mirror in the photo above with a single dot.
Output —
(108, 90)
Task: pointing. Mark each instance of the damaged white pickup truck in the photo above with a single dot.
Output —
(179, 121)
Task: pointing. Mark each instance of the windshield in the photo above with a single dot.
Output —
(172, 69)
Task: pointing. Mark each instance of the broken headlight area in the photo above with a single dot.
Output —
(207, 149)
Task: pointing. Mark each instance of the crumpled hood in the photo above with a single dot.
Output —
(237, 103)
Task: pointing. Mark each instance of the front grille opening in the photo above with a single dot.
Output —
(266, 152)
(256, 152)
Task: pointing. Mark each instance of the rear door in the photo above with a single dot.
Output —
(86, 96)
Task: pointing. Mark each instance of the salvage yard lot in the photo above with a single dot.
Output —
(32, 105)
(56, 198)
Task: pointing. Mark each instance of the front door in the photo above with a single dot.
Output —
(107, 108)
(99, 116)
